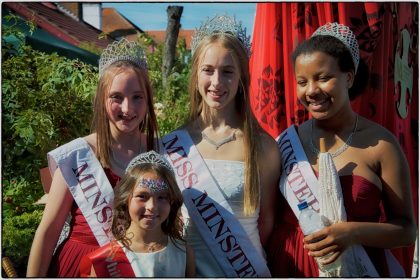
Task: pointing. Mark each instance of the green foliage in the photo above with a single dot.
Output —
(171, 103)
(90, 47)
(18, 233)
(46, 101)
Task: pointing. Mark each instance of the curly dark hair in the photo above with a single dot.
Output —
(335, 48)
(123, 192)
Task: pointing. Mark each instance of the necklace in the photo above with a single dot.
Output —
(220, 143)
(154, 246)
(342, 148)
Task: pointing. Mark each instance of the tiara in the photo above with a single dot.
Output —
(149, 157)
(345, 35)
(221, 25)
(122, 50)
(153, 185)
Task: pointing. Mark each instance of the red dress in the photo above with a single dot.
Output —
(286, 256)
(81, 241)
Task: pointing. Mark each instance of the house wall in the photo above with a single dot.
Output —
(92, 14)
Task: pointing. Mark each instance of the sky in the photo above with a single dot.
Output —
(152, 16)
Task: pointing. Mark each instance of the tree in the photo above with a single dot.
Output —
(172, 31)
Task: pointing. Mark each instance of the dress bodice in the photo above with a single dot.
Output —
(168, 262)
(229, 178)
(362, 200)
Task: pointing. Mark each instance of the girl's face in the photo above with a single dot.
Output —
(218, 77)
(149, 205)
(321, 87)
(126, 103)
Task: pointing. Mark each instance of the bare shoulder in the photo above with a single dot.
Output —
(377, 141)
(374, 134)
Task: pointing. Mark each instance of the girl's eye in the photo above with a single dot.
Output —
(138, 97)
(163, 197)
(115, 98)
(141, 196)
(301, 83)
(207, 70)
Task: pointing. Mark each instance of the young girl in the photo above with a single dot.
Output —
(146, 224)
(227, 167)
(86, 169)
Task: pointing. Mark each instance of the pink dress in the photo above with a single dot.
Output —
(81, 241)
(285, 253)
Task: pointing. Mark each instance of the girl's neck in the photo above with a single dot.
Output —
(340, 122)
(147, 241)
(126, 141)
(219, 120)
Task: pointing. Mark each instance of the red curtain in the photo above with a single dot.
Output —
(388, 38)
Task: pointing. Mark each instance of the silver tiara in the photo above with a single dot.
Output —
(345, 35)
(221, 25)
(154, 185)
(122, 50)
(149, 157)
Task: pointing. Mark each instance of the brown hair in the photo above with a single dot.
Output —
(100, 122)
(251, 128)
(123, 192)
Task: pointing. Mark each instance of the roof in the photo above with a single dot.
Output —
(159, 36)
(116, 25)
(48, 17)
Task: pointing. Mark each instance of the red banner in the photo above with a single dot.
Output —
(388, 38)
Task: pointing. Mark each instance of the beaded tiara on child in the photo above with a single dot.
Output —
(345, 35)
(221, 25)
(122, 50)
(150, 157)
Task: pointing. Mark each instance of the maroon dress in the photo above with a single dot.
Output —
(81, 241)
(286, 256)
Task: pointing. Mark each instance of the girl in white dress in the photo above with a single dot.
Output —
(227, 166)
(146, 225)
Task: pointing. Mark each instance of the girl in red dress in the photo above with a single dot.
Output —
(371, 166)
(124, 125)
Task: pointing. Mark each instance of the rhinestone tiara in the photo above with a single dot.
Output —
(345, 35)
(122, 50)
(221, 25)
(153, 185)
(149, 157)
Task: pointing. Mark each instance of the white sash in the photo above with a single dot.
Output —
(298, 182)
(87, 183)
(219, 228)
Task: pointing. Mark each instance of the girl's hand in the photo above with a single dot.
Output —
(333, 239)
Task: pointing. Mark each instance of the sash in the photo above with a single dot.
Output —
(87, 183)
(108, 261)
(207, 207)
(298, 182)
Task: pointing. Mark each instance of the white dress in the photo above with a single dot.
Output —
(168, 262)
(230, 178)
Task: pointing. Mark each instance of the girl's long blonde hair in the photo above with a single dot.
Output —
(251, 128)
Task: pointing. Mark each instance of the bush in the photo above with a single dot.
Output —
(46, 101)
(171, 103)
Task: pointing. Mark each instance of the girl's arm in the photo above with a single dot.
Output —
(269, 166)
(92, 272)
(55, 213)
(398, 230)
(190, 268)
